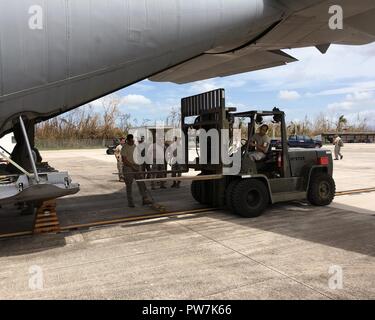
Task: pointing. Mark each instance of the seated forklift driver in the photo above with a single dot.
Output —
(261, 142)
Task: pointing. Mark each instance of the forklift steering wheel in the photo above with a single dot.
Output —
(243, 146)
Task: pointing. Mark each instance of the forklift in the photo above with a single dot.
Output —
(285, 174)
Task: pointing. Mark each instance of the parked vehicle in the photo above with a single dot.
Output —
(276, 143)
(318, 141)
(111, 148)
(299, 141)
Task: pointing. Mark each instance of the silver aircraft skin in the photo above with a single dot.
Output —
(80, 50)
(56, 55)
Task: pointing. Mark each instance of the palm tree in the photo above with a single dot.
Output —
(342, 121)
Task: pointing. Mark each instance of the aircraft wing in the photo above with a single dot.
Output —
(304, 28)
(219, 65)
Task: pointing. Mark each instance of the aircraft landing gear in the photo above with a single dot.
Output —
(22, 183)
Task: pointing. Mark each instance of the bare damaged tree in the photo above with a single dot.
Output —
(110, 115)
(362, 123)
(125, 122)
(85, 125)
(174, 117)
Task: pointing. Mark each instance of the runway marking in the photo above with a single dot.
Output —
(155, 216)
(355, 191)
(115, 221)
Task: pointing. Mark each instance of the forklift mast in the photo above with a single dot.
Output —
(209, 112)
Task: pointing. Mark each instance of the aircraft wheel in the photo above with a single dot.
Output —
(322, 189)
(250, 198)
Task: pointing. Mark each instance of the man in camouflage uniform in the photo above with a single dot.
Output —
(156, 155)
(119, 160)
(133, 171)
(337, 142)
(175, 165)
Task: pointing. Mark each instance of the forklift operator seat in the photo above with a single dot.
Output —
(271, 157)
(266, 158)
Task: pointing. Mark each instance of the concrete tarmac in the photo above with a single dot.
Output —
(293, 251)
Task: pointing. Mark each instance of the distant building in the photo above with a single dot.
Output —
(350, 137)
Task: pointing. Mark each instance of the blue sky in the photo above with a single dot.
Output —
(341, 82)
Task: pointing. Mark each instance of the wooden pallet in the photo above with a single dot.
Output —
(46, 220)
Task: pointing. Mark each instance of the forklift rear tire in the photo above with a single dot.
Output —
(250, 198)
(229, 194)
(322, 189)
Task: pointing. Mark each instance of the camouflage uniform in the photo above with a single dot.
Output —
(338, 145)
(119, 162)
(131, 174)
(156, 151)
(176, 167)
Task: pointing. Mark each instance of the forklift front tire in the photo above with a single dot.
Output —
(229, 194)
(201, 191)
(250, 198)
(196, 191)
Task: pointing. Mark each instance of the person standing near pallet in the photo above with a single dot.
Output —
(175, 165)
(146, 167)
(156, 156)
(119, 159)
(133, 171)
